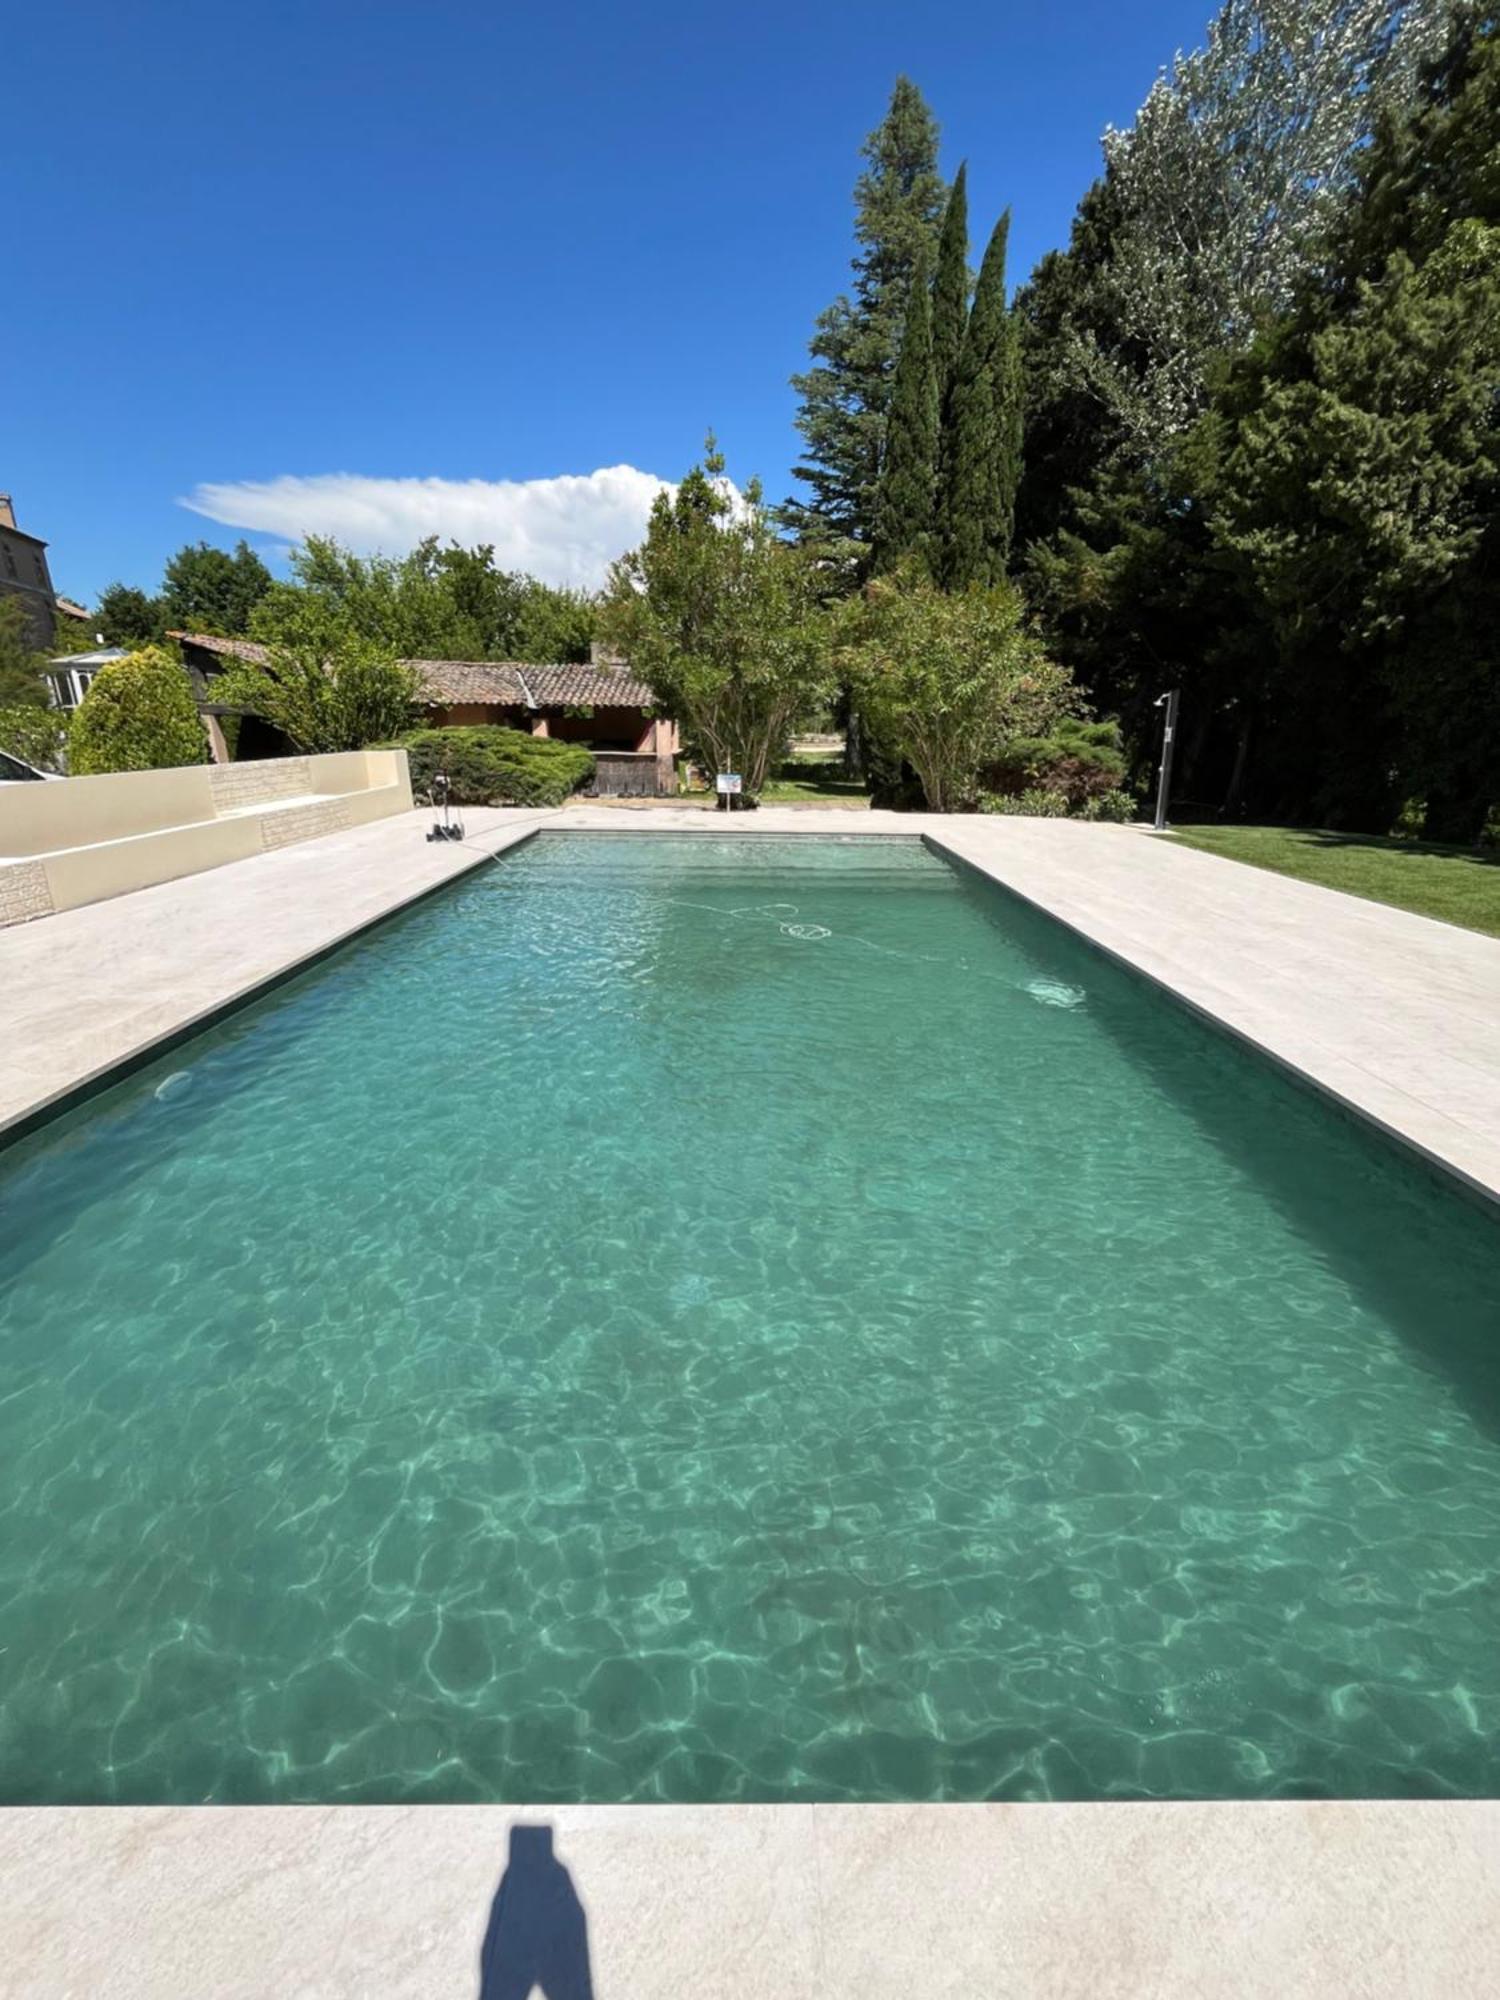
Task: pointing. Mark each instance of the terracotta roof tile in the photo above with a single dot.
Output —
(593, 687)
(231, 649)
(491, 683)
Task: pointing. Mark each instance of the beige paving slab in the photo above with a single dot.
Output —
(1260, 1902)
(1061, 1902)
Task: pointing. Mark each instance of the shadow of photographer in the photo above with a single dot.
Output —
(538, 1934)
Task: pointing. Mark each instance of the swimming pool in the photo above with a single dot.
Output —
(698, 1318)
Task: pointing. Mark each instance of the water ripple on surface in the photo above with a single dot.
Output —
(581, 1343)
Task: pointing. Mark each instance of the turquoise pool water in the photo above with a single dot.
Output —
(701, 1319)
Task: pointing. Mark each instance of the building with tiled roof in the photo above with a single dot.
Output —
(600, 704)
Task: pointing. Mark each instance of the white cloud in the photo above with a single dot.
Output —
(564, 530)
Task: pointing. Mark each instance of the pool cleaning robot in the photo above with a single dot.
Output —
(448, 827)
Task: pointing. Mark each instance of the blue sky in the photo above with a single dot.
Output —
(249, 247)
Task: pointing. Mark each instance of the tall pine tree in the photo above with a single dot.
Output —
(846, 393)
(904, 511)
(981, 456)
(950, 291)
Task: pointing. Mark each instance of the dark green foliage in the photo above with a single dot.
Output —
(1357, 465)
(1067, 316)
(1317, 562)
(905, 509)
(128, 617)
(490, 766)
(982, 441)
(950, 290)
(22, 682)
(138, 715)
(1078, 761)
(206, 590)
(844, 396)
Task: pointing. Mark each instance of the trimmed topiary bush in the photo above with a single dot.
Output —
(491, 766)
(138, 715)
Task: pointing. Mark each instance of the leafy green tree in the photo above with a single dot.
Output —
(435, 603)
(1316, 560)
(335, 597)
(946, 678)
(845, 394)
(206, 590)
(982, 446)
(510, 615)
(905, 508)
(1227, 178)
(1132, 599)
(325, 690)
(950, 289)
(128, 617)
(138, 715)
(22, 682)
(1078, 370)
(1360, 476)
(722, 620)
(550, 625)
(72, 635)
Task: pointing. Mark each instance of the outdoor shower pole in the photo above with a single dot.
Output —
(1169, 732)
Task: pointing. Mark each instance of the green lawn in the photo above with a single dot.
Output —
(814, 778)
(1451, 883)
(815, 791)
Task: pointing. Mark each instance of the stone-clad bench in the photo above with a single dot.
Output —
(79, 840)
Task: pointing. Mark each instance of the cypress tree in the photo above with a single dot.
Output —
(905, 504)
(950, 291)
(845, 394)
(1008, 389)
(982, 441)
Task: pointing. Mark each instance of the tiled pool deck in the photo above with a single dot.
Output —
(1394, 1015)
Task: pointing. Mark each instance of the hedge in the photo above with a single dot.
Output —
(490, 766)
(1081, 761)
